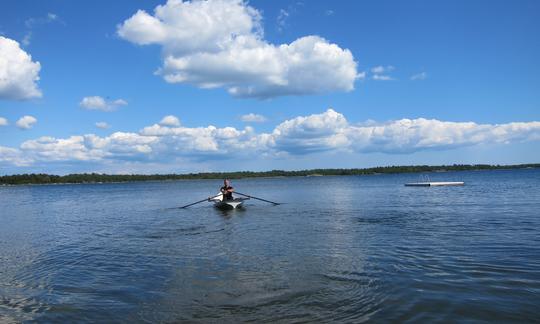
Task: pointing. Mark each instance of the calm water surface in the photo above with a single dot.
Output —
(342, 249)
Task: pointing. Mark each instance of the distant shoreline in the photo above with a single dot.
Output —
(82, 178)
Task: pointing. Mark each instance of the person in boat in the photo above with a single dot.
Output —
(227, 190)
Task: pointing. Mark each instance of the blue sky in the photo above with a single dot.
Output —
(416, 82)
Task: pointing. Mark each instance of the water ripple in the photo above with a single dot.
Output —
(343, 249)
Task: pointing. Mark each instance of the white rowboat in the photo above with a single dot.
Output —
(220, 203)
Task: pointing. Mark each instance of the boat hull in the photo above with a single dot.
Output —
(229, 204)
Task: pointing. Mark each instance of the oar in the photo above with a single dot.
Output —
(268, 201)
(200, 201)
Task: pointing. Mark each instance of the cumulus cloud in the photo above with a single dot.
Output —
(328, 131)
(170, 120)
(102, 125)
(52, 149)
(203, 141)
(3, 121)
(219, 43)
(118, 146)
(100, 103)
(419, 76)
(18, 73)
(313, 133)
(26, 122)
(253, 118)
(13, 156)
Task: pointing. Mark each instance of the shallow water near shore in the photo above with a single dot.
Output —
(341, 249)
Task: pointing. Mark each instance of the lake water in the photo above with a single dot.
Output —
(341, 249)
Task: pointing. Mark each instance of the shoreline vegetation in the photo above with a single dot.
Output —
(41, 178)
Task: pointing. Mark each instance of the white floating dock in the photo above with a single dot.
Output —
(434, 184)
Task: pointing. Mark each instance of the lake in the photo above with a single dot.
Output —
(340, 249)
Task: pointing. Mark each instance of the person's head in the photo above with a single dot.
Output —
(226, 182)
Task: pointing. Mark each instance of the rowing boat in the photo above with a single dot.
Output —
(229, 203)
(221, 203)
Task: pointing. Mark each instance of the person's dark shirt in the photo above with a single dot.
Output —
(227, 195)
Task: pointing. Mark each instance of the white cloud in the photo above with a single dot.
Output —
(313, 133)
(330, 130)
(94, 102)
(192, 26)
(380, 77)
(203, 141)
(327, 131)
(99, 103)
(380, 73)
(31, 22)
(219, 43)
(13, 156)
(102, 125)
(361, 75)
(48, 148)
(26, 39)
(3, 121)
(18, 73)
(253, 118)
(377, 69)
(382, 69)
(419, 76)
(170, 120)
(90, 147)
(119, 102)
(284, 14)
(26, 122)
(281, 19)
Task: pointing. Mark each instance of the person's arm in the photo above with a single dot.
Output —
(230, 189)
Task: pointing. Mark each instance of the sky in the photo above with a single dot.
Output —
(224, 85)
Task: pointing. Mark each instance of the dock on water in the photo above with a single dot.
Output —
(435, 183)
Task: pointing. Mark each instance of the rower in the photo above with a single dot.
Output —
(227, 190)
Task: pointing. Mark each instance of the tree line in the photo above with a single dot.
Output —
(41, 178)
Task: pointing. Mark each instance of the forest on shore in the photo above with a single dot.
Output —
(40, 178)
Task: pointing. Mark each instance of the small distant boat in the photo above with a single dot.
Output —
(221, 203)
(435, 183)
